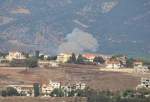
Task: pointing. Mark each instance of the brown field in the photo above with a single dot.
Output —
(89, 74)
(40, 99)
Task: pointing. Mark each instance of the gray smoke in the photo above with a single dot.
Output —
(78, 41)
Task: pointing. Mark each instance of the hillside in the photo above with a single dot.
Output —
(91, 75)
(117, 26)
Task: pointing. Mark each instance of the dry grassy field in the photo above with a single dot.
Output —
(40, 99)
(89, 74)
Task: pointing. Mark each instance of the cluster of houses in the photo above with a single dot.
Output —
(66, 87)
(118, 62)
(109, 62)
(14, 55)
(114, 63)
(47, 89)
(20, 56)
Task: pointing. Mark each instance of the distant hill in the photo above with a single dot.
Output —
(116, 26)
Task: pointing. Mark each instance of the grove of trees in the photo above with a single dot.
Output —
(9, 91)
(141, 95)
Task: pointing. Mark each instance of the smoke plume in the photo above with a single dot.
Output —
(78, 41)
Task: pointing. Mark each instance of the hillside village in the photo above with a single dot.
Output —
(118, 63)
(108, 61)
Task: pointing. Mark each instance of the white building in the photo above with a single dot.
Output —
(44, 63)
(114, 64)
(143, 69)
(48, 88)
(81, 86)
(15, 55)
(89, 57)
(26, 90)
(55, 84)
(137, 64)
(63, 57)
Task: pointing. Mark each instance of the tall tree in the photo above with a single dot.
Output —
(99, 60)
(130, 62)
(31, 63)
(36, 89)
(11, 91)
(80, 59)
(58, 92)
(37, 53)
(72, 58)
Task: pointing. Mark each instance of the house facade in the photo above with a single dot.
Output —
(15, 55)
(137, 64)
(66, 87)
(114, 64)
(143, 69)
(63, 57)
(48, 88)
(89, 57)
(46, 63)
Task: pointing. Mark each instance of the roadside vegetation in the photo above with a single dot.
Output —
(140, 95)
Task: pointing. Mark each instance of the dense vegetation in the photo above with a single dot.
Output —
(141, 95)
(9, 91)
(82, 60)
(29, 62)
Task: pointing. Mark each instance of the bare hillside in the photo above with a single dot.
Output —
(91, 75)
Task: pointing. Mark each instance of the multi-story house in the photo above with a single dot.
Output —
(114, 64)
(15, 55)
(63, 57)
(89, 57)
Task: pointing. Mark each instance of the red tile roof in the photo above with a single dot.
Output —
(89, 56)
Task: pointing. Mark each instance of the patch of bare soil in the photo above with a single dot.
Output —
(89, 74)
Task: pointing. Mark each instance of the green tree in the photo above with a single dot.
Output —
(37, 53)
(58, 92)
(11, 91)
(80, 59)
(36, 89)
(71, 93)
(99, 60)
(128, 93)
(130, 62)
(25, 54)
(72, 58)
(52, 58)
(4, 93)
(17, 63)
(31, 62)
(41, 57)
(3, 54)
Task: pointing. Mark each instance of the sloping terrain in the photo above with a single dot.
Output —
(31, 99)
(90, 75)
(119, 26)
